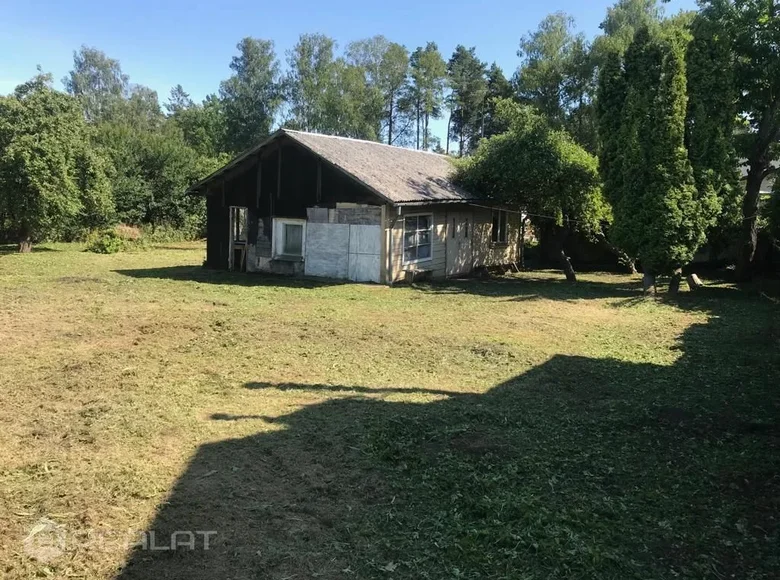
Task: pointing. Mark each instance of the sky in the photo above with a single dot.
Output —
(161, 43)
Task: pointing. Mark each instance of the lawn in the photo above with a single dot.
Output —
(513, 428)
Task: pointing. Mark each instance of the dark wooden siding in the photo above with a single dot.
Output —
(298, 192)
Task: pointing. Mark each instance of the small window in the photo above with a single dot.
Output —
(498, 232)
(293, 240)
(289, 238)
(418, 233)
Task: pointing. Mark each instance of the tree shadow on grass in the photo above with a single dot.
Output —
(209, 276)
(7, 249)
(580, 467)
(530, 287)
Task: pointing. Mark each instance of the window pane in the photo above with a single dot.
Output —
(424, 237)
(293, 239)
(410, 254)
(409, 239)
(410, 223)
(423, 251)
(423, 222)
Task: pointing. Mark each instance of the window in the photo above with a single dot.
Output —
(498, 232)
(418, 230)
(238, 224)
(289, 239)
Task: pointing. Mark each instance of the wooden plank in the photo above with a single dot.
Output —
(259, 181)
(319, 180)
(279, 176)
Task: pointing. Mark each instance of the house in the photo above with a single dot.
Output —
(316, 205)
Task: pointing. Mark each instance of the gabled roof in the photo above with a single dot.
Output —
(401, 176)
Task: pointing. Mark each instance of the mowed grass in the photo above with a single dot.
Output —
(512, 428)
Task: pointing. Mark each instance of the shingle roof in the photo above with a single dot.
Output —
(399, 175)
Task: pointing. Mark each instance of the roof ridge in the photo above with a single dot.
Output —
(367, 141)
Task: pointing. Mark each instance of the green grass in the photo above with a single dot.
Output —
(513, 428)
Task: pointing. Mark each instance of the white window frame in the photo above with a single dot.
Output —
(277, 242)
(403, 238)
(498, 241)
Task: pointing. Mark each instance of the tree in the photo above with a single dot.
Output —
(557, 76)
(621, 23)
(251, 97)
(660, 216)
(498, 88)
(49, 180)
(97, 81)
(752, 30)
(710, 128)
(426, 89)
(544, 75)
(466, 74)
(153, 169)
(203, 126)
(310, 80)
(540, 170)
(179, 100)
(386, 66)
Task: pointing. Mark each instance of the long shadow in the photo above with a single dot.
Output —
(209, 276)
(7, 249)
(530, 286)
(578, 468)
(348, 389)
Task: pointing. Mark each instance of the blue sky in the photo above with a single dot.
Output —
(164, 42)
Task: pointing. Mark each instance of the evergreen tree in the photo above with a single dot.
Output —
(466, 74)
(659, 214)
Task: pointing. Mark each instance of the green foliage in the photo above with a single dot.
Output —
(153, 171)
(50, 182)
(251, 97)
(386, 68)
(426, 89)
(467, 99)
(97, 81)
(710, 126)
(539, 169)
(746, 35)
(660, 215)
(105, 241)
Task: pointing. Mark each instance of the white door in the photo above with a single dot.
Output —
(460, 259)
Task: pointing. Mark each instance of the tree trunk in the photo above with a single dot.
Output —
(648, 283)
(571, 275)
(522, 241)
(694, 283)
(425, 131)
(449, 124)
(418, 124)
(622, 257)
(749, 232)
(566, 266)
(674, 283)
(25, 240)
(390, 123)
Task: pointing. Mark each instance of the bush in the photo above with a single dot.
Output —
(106, 241)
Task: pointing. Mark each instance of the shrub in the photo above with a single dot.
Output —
(106, 241)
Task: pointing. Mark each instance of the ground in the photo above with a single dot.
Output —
(512, 428)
